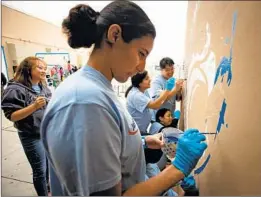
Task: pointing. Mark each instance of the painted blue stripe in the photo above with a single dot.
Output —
(202, 167)
(225, 66)
(221, 119)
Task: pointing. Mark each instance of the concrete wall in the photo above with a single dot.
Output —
(23, 35)
(223, 55)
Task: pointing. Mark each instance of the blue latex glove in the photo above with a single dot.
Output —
(188, 182)
(170, 84)
(189, 150)
(176, 114)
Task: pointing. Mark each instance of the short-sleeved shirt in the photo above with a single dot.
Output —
(91, 140)
(155, 127)
(157, 86)
(36, 88)
(69, 67)
(137, 102)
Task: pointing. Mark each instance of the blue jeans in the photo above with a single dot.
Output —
(35, 154)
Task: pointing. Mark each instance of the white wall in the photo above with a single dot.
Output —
(169, 18)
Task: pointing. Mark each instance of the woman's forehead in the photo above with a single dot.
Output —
(40, 63)
(167, 113)
(145, 42)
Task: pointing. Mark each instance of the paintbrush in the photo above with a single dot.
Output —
(209, 133)
(204, 133)
(175, 138)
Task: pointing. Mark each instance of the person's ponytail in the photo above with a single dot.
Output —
(80, 26)
(128, 90)
(136, 80)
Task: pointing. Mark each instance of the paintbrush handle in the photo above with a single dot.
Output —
(204, 133)
(209, 133)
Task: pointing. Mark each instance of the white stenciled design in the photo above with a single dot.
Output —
(196, 57)
(204, 72)
(192, 95)
(209, 68)
(196, 12)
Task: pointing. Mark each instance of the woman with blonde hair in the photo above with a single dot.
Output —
(24, 102)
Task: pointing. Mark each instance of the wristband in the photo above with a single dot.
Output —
(144, 142)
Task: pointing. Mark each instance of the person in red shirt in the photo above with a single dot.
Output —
(61, 73)
(53, 71)
(69, 67)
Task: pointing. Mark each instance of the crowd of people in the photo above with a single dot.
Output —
(83, 138)
(59, 73)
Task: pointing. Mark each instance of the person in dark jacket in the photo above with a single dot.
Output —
(3, 83)
(74, 68)
(24, 101)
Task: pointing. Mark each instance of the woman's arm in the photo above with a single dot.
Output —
(23, 113)
(185, 161)
(165, 95)
(157, 184)
(178, 189)
(27, 111)
(159, 101)
(176, 89)
(162, 182)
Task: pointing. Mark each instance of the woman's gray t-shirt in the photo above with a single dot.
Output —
(91, 140)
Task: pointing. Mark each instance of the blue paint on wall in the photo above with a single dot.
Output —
(233, 32)
(224, 66)
(221, 120)
(223, 69)
(203, 166)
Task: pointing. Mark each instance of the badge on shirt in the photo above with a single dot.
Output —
(133, 128)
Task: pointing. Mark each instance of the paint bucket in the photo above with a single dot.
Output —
(170, 138)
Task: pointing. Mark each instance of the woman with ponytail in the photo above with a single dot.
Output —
(100, 152)
(139, 104)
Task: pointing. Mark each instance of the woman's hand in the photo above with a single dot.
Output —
(179, 84)
(27, 111)
(190, 148)
(170, 84)
(39, 102)
(154, 141)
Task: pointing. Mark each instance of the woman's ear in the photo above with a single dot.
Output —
(114, 33)
(161, 119)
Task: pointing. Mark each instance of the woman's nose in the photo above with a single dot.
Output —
(141, 65)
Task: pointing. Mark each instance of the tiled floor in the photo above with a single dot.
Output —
(16, 177)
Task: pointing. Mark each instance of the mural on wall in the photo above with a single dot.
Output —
(204, 69)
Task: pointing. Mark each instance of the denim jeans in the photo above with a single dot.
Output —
(35, 154)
